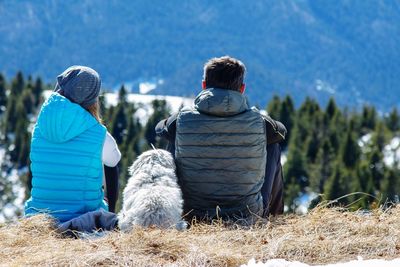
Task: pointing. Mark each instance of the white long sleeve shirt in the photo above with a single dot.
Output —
(111, 154)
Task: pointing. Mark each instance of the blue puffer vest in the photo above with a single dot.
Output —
(67, 168)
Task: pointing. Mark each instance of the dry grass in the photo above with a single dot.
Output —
(322, 236)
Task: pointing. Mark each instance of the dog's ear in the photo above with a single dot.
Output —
(166, 159)
(137, 164)
(144, 158)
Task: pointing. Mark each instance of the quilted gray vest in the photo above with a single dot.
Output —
(221, 156)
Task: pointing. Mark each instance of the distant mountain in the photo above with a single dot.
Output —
(348, 49)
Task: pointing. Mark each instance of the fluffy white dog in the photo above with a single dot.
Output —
(152, 196)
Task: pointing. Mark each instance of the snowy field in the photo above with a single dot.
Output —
(143, 103)
(355, 263)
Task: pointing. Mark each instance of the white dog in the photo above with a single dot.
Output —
(152, 196)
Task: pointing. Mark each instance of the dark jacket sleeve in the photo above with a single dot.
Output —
(167, 129)
(276, 131)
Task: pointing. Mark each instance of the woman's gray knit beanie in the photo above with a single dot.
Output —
(79, 84)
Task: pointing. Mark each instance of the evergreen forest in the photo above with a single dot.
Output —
(331, 152)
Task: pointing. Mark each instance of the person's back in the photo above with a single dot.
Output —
(67, 150)
(220, 147)
(67, 178)
(221, 156)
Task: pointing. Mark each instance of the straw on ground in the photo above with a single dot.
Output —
(322, 236)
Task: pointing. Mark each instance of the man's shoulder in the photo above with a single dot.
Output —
(262, 114)
(276, 131)
(186, 109)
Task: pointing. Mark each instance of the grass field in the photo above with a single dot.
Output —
(322, 236)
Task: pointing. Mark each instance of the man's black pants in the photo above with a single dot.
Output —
(272, 189)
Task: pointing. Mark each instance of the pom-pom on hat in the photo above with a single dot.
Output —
(79, 84)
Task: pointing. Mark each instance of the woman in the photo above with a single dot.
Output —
(68, 149)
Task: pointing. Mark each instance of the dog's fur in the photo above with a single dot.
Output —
(152, 196)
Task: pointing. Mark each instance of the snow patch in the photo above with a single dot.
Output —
(2, 155)
(364, 142)
(303, 202)
(283, 158)
(391, 153)
(143, 103)
(146, 87)
(324, 87)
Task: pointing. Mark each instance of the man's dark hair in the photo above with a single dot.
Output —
(225, 73)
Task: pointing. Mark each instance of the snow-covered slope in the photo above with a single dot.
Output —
(143, 103)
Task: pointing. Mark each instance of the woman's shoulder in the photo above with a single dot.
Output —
(111, 154)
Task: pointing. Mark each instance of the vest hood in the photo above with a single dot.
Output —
(60, 120)
(221, 102)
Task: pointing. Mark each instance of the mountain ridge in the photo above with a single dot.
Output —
(344, 49)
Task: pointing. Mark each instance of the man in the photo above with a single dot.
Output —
(227, 154)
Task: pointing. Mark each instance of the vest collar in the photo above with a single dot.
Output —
(221, 102)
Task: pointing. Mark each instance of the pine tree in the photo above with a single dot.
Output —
(25, 144)
(286, 116)
(363, 182)
(10, 118)
(378, 137)
(284, 112)
(324, 166)
(132, 138)
(161, 111)
(393, 120)
(119, 124)
(368, 119)
(18, 154)
(337, 185)
(3, 95)
(17, 85)
(28, 100)
(335, 129)
(328, 118)
(350, 151)
(312, 145)
(391, 185)
(108, 114)
(119, 120)
(330, 110)
(295, 169)
(376, 166)
(308, 117)
(122, 96)
(333, 188)
(37, 91)
(274, 107)
(13, 99)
